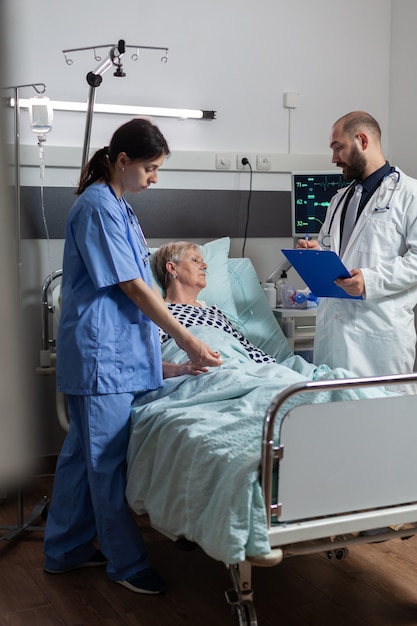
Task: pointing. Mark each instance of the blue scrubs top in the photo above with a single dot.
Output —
(105, 344)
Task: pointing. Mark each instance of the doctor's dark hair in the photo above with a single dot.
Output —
(357, 121)
(139, 139)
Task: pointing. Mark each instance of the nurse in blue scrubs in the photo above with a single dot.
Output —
(107, 350)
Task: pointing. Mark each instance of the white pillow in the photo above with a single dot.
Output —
(218, 289)
(256, 319)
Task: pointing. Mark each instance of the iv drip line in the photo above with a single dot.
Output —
(44, 220)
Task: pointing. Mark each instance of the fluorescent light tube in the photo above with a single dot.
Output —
(120, 109)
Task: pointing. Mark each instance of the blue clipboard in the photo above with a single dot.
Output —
(319, 269)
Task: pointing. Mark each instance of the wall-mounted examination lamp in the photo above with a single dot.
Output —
(284, 266)
(120, 109)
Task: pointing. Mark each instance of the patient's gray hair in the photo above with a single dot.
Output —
(172, 251)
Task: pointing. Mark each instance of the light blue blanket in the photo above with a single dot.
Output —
(195, 447)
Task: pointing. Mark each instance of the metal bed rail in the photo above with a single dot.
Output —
(271, 452)
(47, 311)
(47, 357)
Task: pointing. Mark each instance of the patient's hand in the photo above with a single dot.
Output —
(170, 370)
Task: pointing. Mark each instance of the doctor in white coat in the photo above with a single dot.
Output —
(374, 335)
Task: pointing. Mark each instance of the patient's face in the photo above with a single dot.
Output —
(191, 269)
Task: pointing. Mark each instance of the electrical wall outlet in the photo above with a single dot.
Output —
(263, 162)
(243, 155)
(223, 161)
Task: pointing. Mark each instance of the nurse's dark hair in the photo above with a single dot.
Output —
(139, 139)
(357, 121)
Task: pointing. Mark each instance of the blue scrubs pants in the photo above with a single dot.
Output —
(88, 499)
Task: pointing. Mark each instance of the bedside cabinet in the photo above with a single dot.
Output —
(298, 325)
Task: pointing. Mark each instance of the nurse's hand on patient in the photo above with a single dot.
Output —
(170, 370)
(354, 286)
(200, 354)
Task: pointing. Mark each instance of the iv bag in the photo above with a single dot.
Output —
(40, 115)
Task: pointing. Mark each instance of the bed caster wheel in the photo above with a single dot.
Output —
(342, 553)
(245, 614)
(338, 554)
(44, 512)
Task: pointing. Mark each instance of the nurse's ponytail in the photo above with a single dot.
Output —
(139, 139)
(97, 168)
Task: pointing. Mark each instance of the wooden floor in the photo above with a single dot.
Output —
(376, 585)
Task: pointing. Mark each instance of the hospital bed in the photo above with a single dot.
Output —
(318, 465)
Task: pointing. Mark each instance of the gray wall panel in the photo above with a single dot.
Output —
(171, 213)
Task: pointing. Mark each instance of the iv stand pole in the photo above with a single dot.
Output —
(94, 79)
(40, 508)
(39, 88)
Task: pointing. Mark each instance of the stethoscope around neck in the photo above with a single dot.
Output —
(145, 252)
(386, 189)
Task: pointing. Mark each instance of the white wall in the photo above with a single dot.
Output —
(235, 56)
(403, 86)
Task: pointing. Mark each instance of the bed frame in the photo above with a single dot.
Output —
(337, 478)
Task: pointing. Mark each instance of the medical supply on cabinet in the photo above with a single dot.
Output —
(270, 292)
(296, 298)
(281, 283)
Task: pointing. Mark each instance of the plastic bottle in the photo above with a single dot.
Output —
(281, 283)
(270, 294)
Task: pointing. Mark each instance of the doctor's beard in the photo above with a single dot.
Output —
(356, 167)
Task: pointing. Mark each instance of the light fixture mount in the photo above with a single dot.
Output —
(94, 80)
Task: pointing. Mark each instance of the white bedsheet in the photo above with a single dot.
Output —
(195, 447)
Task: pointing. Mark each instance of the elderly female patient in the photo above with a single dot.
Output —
(181, 272)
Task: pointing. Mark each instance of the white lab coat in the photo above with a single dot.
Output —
(376, 335)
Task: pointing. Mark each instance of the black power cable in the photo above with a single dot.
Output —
(245, 161)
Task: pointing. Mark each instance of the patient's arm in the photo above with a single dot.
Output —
(150, 302)
(170, 370)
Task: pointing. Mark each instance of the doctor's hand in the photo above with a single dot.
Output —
(308, 243)
(354, 286)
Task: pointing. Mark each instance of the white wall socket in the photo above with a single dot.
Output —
(263, 162)
(250, 158)
(223, 161)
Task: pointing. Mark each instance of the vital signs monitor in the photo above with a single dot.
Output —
(310, 197)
